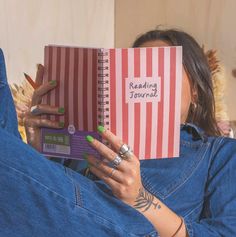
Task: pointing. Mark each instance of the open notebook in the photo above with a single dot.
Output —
(134, 92)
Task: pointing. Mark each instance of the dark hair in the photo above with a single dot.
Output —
(196, 66)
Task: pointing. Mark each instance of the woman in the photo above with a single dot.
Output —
(192, 195)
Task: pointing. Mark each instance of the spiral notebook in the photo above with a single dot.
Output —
(133, 92)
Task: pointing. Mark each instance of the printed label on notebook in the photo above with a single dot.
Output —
(56, 143)
(60, 143)
(143, 90)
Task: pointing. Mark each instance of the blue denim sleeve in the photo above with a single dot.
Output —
(8, 119)
(218, 217)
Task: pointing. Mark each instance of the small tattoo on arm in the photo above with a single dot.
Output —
(145, 200)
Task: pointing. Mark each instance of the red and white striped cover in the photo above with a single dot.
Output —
(150, 127)
(75, 70)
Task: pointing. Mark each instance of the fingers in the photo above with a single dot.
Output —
(37, 122)
(46, 109)
(39, 75)
(33, 137)
(42, 122)
(106, 152)
(102, 170)
(109, 178)
(109, 136)
(116, 143)
(42, 90)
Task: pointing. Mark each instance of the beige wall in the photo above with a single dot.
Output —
(211, 22)
(27, 25)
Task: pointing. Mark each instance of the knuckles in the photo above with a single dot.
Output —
(130, 181)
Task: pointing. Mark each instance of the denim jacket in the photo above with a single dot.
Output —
(42, 198)
(200, 184)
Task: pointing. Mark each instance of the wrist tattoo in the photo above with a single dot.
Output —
(145, 200)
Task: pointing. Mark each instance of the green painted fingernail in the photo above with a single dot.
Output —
(101, 129)
(61, 124)
(53, 82)
(89, 138)
(61, 110)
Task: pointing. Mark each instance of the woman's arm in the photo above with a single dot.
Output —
(166, 222)
(125, 181)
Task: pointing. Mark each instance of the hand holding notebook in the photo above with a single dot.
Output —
(133, 92)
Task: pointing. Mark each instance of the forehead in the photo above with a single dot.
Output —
(155, 43)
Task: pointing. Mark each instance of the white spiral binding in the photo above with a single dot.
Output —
(103, 89)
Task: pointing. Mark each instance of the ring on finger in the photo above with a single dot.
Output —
(125, 151)
(112, 172)
(128, 155)
(116, 162)
(34, 110)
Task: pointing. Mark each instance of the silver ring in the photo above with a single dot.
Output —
(123, 149)
(112, 172)
(128, 154)
(116, 161)
(34, 110)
